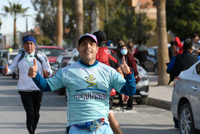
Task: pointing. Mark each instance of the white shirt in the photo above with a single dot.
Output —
(25, 83)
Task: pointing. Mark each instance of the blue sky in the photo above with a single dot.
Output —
(7, 22)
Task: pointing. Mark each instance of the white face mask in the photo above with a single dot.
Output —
(124, 51)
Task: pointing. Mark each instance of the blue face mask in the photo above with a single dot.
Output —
(124, 51)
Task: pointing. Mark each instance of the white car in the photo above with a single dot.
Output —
(185, 105)
(8, 60)
(142, 87)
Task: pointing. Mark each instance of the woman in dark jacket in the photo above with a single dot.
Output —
(130, 60)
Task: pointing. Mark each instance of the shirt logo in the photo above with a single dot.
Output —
(90, 80)
(107, 51)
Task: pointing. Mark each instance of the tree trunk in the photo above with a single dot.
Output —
(15, 32)
(95, 25)
(163, 56)
(79, 19)
(59, 24)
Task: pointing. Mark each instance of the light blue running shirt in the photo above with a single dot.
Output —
(88, 90)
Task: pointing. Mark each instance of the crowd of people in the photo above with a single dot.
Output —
(92, 82)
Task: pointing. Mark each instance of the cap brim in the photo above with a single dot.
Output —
(87, 35)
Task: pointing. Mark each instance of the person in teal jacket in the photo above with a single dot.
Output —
(88, 84)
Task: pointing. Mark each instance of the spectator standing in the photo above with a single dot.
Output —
(195, 43)
(131, 48)
(130, 60)
(182, 62)
(179, 46)
(31, 96)
(109, 57)
(120, 43)
(142, 53)
(88, 83)
(172, 50)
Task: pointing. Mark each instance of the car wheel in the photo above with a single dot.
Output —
(186, 120)
(142, 101)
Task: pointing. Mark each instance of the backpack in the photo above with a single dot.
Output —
(104, 56)
(35, 55)
(23, 54)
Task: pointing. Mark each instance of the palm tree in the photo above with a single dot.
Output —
(59, 24)
(15, 10)
(95, 24)
(163, 57)
(79, 19)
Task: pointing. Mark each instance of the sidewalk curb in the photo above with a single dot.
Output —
(159, 103)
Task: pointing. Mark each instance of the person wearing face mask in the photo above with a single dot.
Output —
(120, 43)
(130, 60)
(131, 48)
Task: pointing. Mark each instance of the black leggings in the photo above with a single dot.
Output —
(31, 102)
(129, 103)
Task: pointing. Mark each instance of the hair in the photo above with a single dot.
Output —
(140, 41)
(187, 45)
(27, 36)
(194, 35)
(129, 42)
(119, 40)
(173, 43)
(101, 37)
(129, 45)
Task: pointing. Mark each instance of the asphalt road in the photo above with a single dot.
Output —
(141, 120)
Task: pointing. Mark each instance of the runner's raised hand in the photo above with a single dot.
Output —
(5, 69)
(46, 73)
(125, 68)
(33, 70)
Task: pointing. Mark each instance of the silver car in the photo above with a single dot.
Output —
(185, 104)
(8, 60)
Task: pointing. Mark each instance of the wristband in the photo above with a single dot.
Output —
(129, 73)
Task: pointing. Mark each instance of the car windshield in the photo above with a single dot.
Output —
(3, 54)
(65, 60)
(12, 57)
(51, 52)
(156, 51)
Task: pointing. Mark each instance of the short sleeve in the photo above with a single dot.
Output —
(56, 82)
(117, 81)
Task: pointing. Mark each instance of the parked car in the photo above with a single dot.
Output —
(142, 87)
(8, 60)
(2, 56)
(61, 62)
(69, 51)
(152, 59)
(52, 52)
(185, 105)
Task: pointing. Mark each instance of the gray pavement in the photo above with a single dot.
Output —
(142, 120)
(159, 96)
